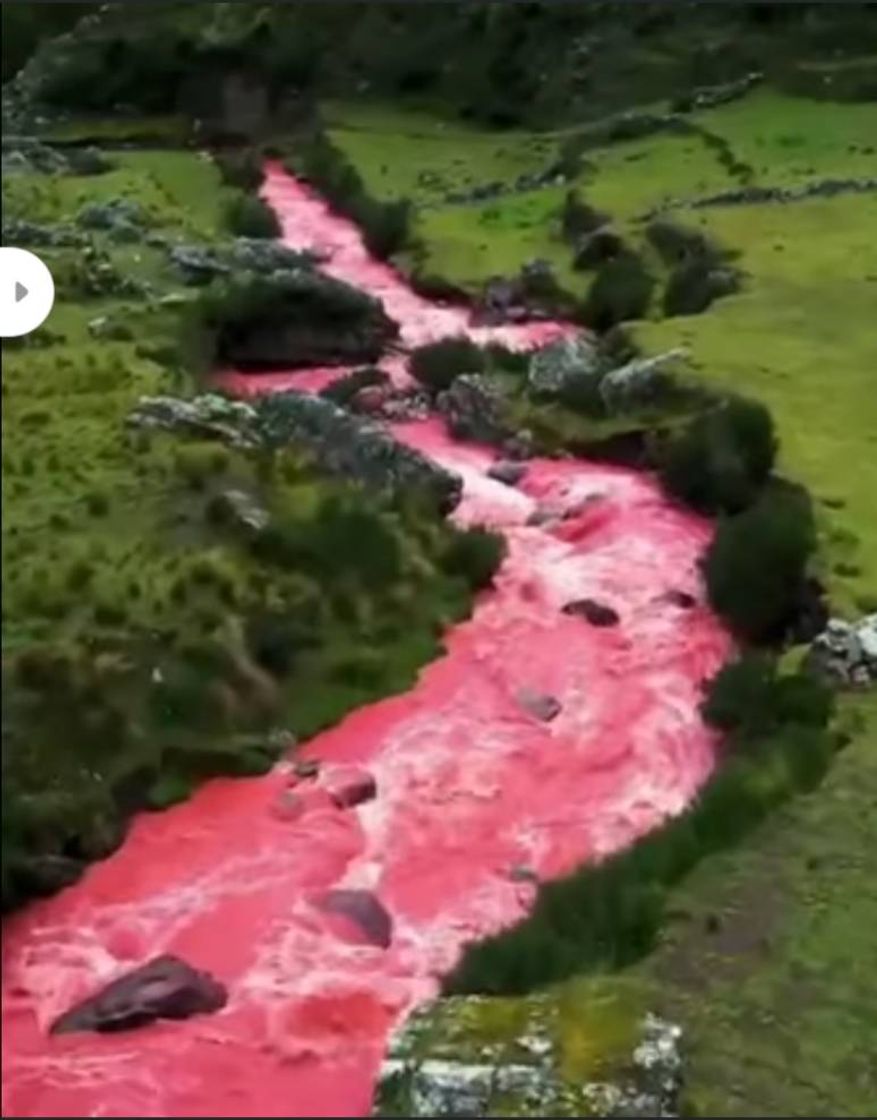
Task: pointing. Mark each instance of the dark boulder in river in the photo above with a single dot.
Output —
(598, 614)
(365, 910)
(165, 988)
(540, 705)
(352, 787)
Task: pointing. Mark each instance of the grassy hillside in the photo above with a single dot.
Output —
(147, 641)
(767, 961)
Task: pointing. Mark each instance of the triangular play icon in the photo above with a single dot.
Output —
(20, 292)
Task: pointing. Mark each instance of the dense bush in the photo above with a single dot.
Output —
(248, 216)
(692, 287)
(386, 226)
(474, 555)
(241, 169)
(720, 459)
(621, 291)
(755, 567)
(437, 364)
(750, 698)
(578, 218)
(342, 391)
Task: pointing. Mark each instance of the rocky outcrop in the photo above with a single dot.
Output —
(199, 264)
(846, 652)
(638, 383)
(353, 447)
(241, 509)
(25, 155)
(349, 446)
(365, 910)
(474, 408)
(209, 415)
(165, 988)
(555, 368)
(121, 219)
(441, 1064)
(19, 231)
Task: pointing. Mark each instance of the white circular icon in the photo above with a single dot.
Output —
(27, 292)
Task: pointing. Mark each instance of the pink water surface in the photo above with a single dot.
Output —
(469, 785)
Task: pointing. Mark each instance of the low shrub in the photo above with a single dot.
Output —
(721, 458)
(756, 565)
(437, 364)
(240, 169)
(248, 216)
(578, 218)
(621, 291)
(342, 391)
(475, 556)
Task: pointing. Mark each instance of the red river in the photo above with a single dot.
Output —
(469, 786)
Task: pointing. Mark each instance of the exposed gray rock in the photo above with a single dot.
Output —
(18, 231)
(366, 910)
(28, 155)
(353, 447)
(846, 652)
(199, 264)
(640, 382)
(541, 705)
(165, 988)
(823, 188)
(437, 1066)
(555, 367)
(504, 470)
(114, 215)
(474, 408)
(209, 415)
(244, 510)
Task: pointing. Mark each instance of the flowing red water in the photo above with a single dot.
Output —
(470, 786)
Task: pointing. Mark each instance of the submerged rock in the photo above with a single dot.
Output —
(365, 910)
(165, 988)
(348, 788)
(680, 599)
(598, 614)
(541, 705)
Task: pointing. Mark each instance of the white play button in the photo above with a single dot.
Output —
(27, 292)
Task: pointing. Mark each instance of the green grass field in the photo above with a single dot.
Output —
(769, 958)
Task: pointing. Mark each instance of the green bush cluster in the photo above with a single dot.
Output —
(386, 226)
(755, 568)
(248, 216)
(609, 914)
(240, 168)
(621, 291)
(474, 555)
(436, 365)
(719, 460)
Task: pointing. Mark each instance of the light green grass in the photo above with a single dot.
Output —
(799, 338)
(790, 140)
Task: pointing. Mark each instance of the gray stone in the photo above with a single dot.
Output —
(365, 910)
(640, 382)
(474, 407)
(845, 653)
(554, 368)
(165, 988)
(244, 510)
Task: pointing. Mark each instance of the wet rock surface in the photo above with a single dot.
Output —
(507, 471)
(598, 614)
(349, 788)
(365, 910)
(473, 407)
(165, 988)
